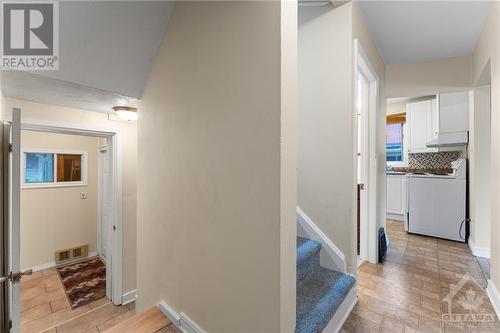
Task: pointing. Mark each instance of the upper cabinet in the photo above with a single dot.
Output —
(441, 122)
(454, 112)
(423, 125)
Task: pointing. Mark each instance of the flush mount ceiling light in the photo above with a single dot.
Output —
(126, 112)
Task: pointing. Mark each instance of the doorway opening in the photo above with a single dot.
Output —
(71, 211)
(366, 109)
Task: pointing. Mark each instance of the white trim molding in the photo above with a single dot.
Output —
(331, 256)
(129, 297)
(53, 264)
(479, 251)
(494, 296)
(181, 321)
(335, 324)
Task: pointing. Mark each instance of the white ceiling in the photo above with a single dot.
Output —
(413, 31)
(106, 52)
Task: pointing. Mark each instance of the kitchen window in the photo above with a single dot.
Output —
(53, 168)
(395, 144)
(395, 139)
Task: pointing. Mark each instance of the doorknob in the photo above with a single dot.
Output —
(13, 277)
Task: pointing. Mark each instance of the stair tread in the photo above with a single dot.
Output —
(148, 321)
(306, 248)
(319, 297)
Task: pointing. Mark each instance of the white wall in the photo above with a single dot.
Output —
(428, 78)
(58, 114)
(56, 218)
(326, 164)
(487, 50)
(480, 169)
(216, 200)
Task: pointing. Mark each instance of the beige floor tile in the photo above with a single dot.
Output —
(114, 321)
(53, 319)
(99, 302)
(93, 318)
(416, 276)
(35, 312)
(367, 326)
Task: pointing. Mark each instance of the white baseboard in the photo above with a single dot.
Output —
(129, 297)
(181, 321)
(335, 324)
(331, 256)
(494, 296)
(395, 217)
(174, 317)
(478, 251)
(53, 263)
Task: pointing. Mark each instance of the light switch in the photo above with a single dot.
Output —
(83, 195)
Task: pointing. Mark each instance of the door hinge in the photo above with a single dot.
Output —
(10, 147)
(10, 324)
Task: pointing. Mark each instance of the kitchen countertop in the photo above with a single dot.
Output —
(420, 171)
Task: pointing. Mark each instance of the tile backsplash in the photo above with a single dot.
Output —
(433, 160)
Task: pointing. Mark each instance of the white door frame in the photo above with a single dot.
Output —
(368, 228)
(115, 263)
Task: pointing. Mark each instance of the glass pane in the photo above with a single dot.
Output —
(69, 168)
(39, 168)
(394, 134)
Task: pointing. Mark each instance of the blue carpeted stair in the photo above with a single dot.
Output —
(320, 291)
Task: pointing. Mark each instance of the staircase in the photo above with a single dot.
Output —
(324, 297)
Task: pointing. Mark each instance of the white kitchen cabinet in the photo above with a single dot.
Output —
(454, 112)
(396, 194)
(423, 125)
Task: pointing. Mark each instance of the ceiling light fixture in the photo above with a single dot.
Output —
(126, 112)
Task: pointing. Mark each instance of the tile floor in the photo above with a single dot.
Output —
(407, 293)
(45, 308)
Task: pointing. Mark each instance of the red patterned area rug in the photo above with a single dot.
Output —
(84, 282)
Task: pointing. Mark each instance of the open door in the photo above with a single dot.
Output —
(11, 274)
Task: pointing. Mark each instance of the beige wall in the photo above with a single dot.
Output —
(487, 49)
(361, 32)
(480, 168)
(326, 169)
(56, 218)
(325, 123)
(211, 201)
(427, 78)
(52, 113)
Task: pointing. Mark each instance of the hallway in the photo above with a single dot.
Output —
(407, 293)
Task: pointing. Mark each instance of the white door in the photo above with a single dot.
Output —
(363, 95)
(104, 228)
(104, 200)
(11, 221)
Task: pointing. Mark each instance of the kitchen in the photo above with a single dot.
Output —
(427, 178)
